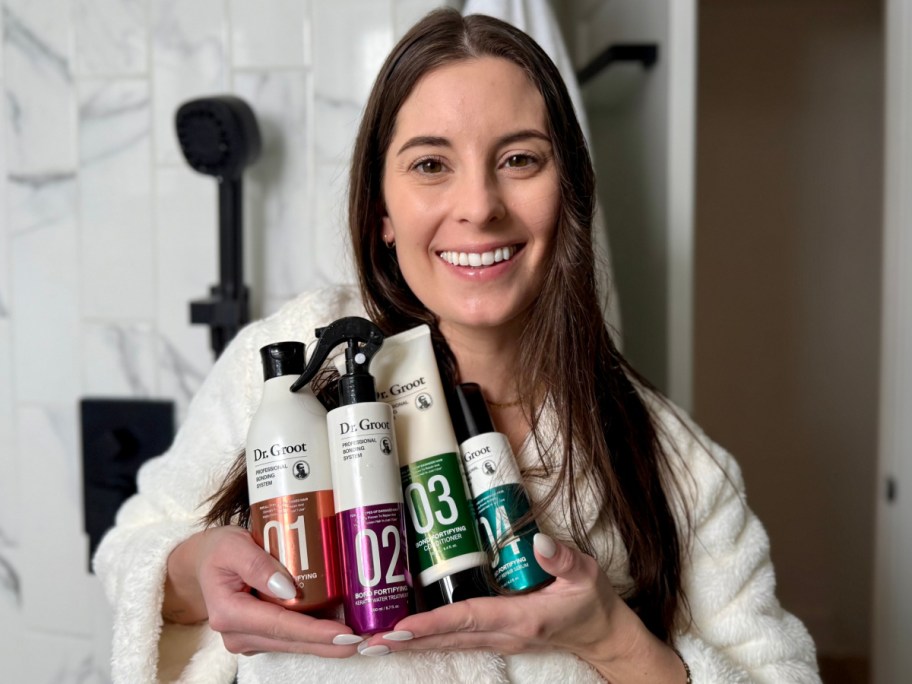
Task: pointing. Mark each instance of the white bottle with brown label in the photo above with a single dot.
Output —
(289, 481)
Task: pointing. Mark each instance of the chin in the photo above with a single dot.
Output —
(484, 320)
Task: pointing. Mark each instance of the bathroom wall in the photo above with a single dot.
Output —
(107, 235)
(789, 235)
(787, 267)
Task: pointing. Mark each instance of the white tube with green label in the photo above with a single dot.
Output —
(445, 540)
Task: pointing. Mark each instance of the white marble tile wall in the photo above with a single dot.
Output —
(107, 235)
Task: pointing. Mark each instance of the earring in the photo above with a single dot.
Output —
(389, 241)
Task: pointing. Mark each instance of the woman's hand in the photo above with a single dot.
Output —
(579, 612)
(210, 576)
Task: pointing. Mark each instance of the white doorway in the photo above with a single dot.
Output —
(892, 657)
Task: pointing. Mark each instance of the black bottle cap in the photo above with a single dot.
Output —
(471, 412)
(356, 386)
(282, 358)
(459, 586)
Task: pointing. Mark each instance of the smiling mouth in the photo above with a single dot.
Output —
(480, 259)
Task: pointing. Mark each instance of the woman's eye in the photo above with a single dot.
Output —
(519, 161)
(429, 166)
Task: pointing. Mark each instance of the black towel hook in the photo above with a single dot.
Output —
(646, 54)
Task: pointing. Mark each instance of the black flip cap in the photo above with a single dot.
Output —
(282, 358)
(472, 417)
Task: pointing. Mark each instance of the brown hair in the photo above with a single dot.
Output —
(607, 434)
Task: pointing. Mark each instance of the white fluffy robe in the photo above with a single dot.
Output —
(739, 633)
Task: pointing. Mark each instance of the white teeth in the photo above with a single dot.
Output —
(476, 259)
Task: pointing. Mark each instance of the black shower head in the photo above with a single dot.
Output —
(218, 135)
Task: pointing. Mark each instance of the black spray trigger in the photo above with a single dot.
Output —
(364, 339)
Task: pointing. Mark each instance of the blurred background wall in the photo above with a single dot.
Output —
(787, 290)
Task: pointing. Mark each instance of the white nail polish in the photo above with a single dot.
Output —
(379, 650)
(281, 587)
(400, 635)
(347, 639)
(544, 545)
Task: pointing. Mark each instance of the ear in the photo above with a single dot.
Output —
(388, 233)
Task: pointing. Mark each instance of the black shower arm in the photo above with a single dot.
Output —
(231, 239)
(227, 308)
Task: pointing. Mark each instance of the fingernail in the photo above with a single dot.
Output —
(544, 545)
(400, 635)
(347, 639)
(281, 587)
(378, 650)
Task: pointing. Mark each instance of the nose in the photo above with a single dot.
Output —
(479, 199)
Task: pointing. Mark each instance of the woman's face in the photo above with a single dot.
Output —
(471, 193)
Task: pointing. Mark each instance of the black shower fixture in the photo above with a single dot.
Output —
(219, 137)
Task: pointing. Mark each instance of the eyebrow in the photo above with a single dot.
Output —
(436, 141)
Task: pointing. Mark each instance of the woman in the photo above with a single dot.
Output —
(470, 210)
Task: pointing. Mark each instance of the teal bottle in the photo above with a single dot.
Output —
(500, 499)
